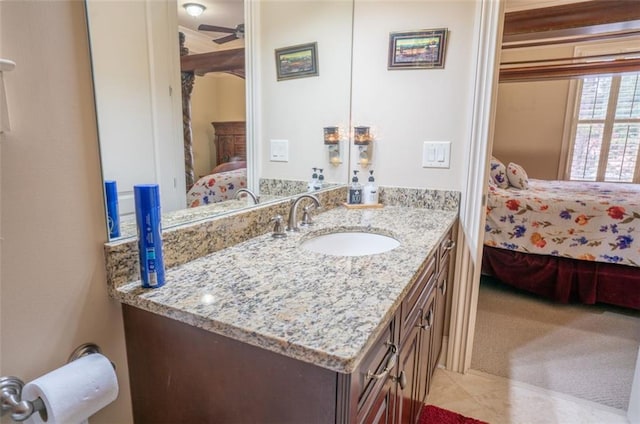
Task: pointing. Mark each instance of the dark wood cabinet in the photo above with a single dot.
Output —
(183, 374)
(381, 410)
(415, 344)
(409, 377)
(427, 348)
(230, 141)
(442, 285)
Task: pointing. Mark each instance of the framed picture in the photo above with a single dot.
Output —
(422, 49)
(297, 61)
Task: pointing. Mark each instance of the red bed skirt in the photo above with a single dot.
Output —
(565, 280)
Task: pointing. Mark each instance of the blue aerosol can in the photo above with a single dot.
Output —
(147, 200)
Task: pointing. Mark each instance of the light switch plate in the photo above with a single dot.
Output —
(279, 151)
(436, 154)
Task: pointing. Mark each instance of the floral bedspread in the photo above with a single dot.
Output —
(217, 187)
(588, 221)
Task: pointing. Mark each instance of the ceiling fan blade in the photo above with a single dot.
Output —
(225, 39)
(213, 28)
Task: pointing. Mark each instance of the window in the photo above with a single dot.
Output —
(606, 130)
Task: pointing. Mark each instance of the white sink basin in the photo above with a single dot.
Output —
(350, 243)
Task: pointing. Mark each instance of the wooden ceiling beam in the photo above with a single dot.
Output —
(564, 71)
(576, 18)
(220, 61)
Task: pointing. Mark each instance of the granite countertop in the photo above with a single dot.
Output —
(317, 308)
(179, 217)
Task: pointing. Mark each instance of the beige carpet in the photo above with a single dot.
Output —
(584, 351)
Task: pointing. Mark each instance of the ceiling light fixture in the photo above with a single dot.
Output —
(194, 9)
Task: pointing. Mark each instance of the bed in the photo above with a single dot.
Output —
(565, 240)
(217, 186)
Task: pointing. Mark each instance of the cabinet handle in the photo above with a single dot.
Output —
(430, 317)
(401, 379)
(450, 245)
(391, 362)
(443, 287)
(429, 320)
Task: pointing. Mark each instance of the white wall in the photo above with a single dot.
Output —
(216, 97)
(54, 295)
(529, 125)
(138, 97)
(407, 107)
(297, 110)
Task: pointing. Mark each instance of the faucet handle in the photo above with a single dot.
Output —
(278, 227)
(306, 218)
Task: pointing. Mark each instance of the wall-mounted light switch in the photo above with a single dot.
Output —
(436, 154)
(279, 151)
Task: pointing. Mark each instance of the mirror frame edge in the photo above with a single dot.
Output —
(252, 97)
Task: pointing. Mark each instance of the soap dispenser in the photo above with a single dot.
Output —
(355, 190)
(320, 180)
(313, 182)
(370, 192)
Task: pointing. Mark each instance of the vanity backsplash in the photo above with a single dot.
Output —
(184, 243)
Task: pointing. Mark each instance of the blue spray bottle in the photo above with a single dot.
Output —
(113, 215)
(147, 199)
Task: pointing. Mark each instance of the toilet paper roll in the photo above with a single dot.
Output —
(74, 392)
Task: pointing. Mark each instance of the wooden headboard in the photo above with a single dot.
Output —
(230, 141)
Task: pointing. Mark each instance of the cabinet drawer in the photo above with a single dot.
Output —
(372, 372)
(411, 305)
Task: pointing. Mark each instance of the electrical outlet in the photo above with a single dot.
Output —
(279, 151)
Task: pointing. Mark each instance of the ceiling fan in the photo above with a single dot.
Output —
(235, 33)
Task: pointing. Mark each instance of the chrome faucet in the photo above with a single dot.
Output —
(292, 222)
(255, 198)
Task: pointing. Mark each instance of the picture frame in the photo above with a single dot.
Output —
(420, 49)
(297, 61)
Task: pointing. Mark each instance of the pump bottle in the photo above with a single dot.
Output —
(320, 180)
(355, 190)
(313, 182)
(370, 192)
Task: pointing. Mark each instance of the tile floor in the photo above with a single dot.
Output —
(497, 400)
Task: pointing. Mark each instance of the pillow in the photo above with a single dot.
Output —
(499, 173)
(517, 176)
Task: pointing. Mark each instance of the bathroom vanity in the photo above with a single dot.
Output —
(265, 331)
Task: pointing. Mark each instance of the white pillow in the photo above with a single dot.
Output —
(517, 176)
(499, 173)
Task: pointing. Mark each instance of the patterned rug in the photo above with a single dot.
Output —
(433, 415)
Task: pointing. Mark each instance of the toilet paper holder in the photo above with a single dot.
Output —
(11, 389)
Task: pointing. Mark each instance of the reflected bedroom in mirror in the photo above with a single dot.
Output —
(170, 89)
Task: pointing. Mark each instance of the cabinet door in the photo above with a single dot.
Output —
(409, 403)
(438, 325)
(374, 380)
(382, 410)
(442, 282)
(426, 329)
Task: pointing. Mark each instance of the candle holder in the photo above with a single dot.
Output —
(331, 135)
(362, 138)
(361, 135)
(332, 141)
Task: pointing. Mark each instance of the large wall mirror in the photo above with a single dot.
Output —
(140, 85)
